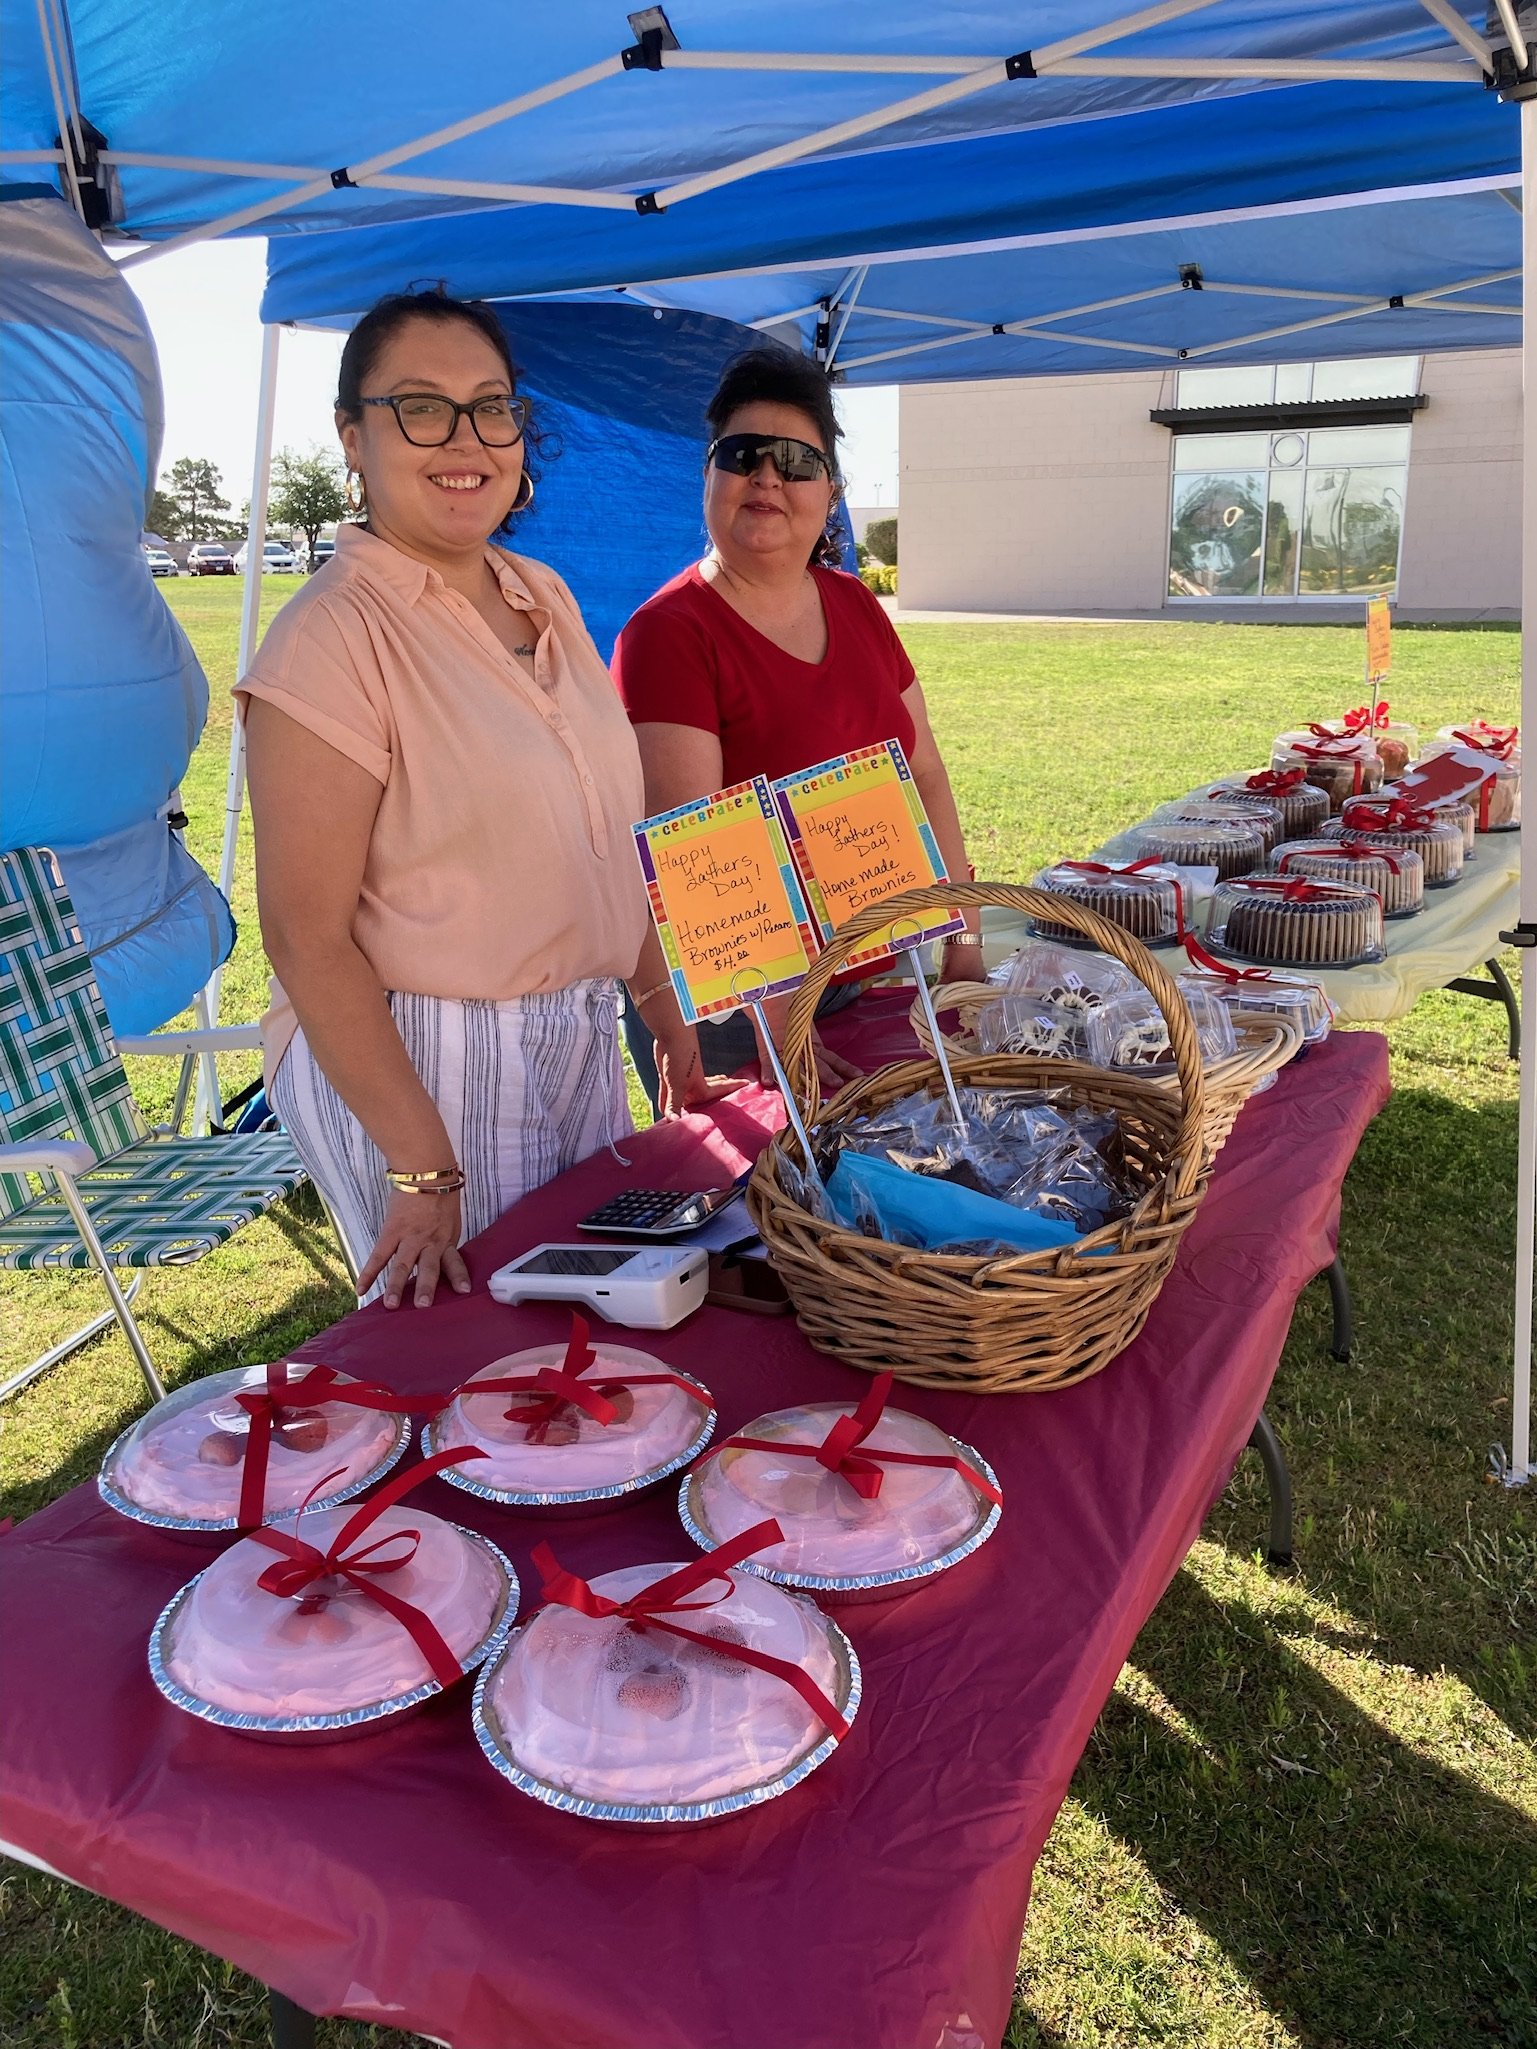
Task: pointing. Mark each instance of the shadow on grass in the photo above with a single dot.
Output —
(1369, 1895)
(1396, 1520)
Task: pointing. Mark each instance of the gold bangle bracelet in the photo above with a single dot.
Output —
(646, 995)
(436, 1181)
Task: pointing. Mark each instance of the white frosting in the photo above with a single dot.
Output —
(332, 1649)
(642, 1719)
(168, 1465)
(920, 1513)
(575, 1455)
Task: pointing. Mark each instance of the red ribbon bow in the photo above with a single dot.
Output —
(1293, 889)
(844, 1451)
(1275, 781)
(1388, 814)
(647, 1609)
(360, 1565)
(562, 1385)
(1113, 867)
(1361, 719)
(318, 1385)
(1496, 740)
(1213, 966)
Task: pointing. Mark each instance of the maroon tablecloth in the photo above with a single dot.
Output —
(880, 1905)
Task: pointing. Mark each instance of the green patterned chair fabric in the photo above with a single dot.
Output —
(153, 1201)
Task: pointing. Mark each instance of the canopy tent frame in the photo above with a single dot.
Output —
(1086, 55)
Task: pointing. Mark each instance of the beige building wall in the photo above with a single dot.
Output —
(1051, 494)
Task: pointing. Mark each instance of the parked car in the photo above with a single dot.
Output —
(276, 556)
(209, 558)
(160, 563)
(320, 555)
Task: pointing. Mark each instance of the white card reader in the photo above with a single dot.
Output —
(648, 1287)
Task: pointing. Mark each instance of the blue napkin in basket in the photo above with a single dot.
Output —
(915, 1209)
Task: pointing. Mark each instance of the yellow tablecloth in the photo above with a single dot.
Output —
(1458, 930)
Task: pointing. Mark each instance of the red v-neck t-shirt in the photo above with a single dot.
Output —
(687, 658)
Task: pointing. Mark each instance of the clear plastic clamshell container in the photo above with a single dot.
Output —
(1303, 806)
(329, 1661)
(613, 1722)
(1229, 845)
(1130, 1032)
(179, 1467)
(1267, 994)
(1493, 782)
(1436, 838)
(1047, 992)
(1286, 921)
(840, 1545)
(549, 1455)
(1145, 904)
(1267, 814)
(1394, 739)
(1343, 765)
(1397, 874)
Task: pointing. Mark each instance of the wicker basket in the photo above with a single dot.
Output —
(1264, 1045)
(1037, 1320)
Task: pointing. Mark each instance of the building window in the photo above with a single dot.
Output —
(1304, 512)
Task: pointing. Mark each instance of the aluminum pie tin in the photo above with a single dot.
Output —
(592, 1500)
(687, 1814)
(847, 1590)
(206, 1526)
(352, 1721)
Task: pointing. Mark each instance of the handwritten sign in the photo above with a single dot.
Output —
(859, 834)
(1379, 640)
(726, 901)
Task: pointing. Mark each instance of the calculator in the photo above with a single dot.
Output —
(658, 1212)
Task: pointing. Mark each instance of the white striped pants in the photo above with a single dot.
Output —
(525, 1088)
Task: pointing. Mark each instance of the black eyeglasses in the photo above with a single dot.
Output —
(428, 421)
(739, 455)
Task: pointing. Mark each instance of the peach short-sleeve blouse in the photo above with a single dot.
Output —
(501, 861)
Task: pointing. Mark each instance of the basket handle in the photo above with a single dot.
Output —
(800, 1062)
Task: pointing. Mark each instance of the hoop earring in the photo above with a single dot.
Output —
(525, 497)
(356, 494)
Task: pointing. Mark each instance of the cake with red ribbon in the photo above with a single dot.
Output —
(1397, 874)
(666, 1693)
(564, 1425)
(869, 1498)
(1230, 845)
(1396, 741)
(333, 1619)
(235, 1448)
(1478, 762)
(1303, 806)
(1142, 897)
(1398, 823)
(1341, 764)
(1294, 922)
(1269, 816)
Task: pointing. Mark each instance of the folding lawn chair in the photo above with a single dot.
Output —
(84, 1182)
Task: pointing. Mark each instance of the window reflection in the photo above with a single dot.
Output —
(1351, 532)
(1214, 547)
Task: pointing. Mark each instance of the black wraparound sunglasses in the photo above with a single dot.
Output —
(739, 455)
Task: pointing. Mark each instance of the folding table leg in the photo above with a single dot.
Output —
(1264, 1440)
(1339, 1296)
(292, 2027)
(1496, 990)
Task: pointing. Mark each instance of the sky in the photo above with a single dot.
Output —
(203, 304)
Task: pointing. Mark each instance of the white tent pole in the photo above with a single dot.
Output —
(1461, 30)
(208, 1098)
(67, 72)
(1514, 37)
(386, 160)
(56, 91)
(1387, 70)
(1521, 1469)
(847, 314)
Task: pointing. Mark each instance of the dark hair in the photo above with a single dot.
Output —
(772, 375)
(383, 321)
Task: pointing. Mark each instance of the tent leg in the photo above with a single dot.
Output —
(1341, 1343)
(1497, 990)
(292, 2027)
(206, 1108)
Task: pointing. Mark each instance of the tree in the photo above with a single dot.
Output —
(306, 493)
(163, 517)
(193, 484)
(881, 540)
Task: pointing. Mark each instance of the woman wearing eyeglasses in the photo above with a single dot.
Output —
(443, 784)
(762, 659)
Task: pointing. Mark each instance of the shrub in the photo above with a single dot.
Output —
(881, 540)
(880, 577)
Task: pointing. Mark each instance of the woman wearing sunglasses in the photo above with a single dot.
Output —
(443, 784)
(762, 659)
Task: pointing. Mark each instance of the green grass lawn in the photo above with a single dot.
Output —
(1308, 1816)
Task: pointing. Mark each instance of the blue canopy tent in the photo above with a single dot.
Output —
(813, 146)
